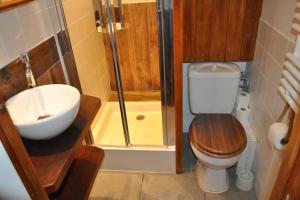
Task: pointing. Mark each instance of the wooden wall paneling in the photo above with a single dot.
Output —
(202, 33)
(138, 49)
(57, 74)
(13, 79)
(190, 33)
(218, 29)
(16, 151)
(44, 79)
(178, 61)
(54, 75)
(109, 58)
(126, 52)
(139, 37)
(43, 57)
(153, 45)
(235, 34)
(250, 29)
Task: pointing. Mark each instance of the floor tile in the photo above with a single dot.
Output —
(171, 187)
(232, 195)
(117, 186)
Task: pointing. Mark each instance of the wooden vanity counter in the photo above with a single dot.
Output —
(53, 158)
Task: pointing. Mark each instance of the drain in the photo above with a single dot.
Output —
(140, 117)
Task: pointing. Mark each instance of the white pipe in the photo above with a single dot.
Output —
(290, 91)
(287, 97)
(291, 68)
(291, 80)
(294, 60)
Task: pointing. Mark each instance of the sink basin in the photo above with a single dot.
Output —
(44, 112)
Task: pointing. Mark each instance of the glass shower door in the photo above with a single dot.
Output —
(138, 51)
(137, 73)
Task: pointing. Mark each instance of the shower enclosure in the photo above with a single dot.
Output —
(135, 125)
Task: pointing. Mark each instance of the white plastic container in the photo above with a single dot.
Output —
(244, 180)
(213, 87)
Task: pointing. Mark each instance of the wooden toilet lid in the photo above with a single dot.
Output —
(218, 135)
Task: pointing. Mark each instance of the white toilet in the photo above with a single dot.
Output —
(217, 138)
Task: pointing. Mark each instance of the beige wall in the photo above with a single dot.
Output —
(88, 48)
(274, 40)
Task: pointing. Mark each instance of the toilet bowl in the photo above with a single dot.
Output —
(216, 137)
(211, 172)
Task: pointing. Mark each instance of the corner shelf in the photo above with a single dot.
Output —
(53, 158)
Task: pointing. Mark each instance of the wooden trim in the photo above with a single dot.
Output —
(288, 163)
(12, 3)
(16, 151)
(178, 60)
(137, 96)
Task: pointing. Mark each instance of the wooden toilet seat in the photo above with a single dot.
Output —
(218, 135)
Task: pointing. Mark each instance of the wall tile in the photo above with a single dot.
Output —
(12, 35)
(3, 56)
(34, 36)
(279, 14)
(266, 103)
(276, 45)
(88, 48)
(26, 26)
(34, 7)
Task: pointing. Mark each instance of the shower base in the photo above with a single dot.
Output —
(144, 124)
(146, 136)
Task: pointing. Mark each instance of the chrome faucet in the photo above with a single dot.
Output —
(29, 75)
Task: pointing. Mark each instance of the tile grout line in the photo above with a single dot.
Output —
(141, 186)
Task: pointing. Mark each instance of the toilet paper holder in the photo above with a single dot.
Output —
(291, 117)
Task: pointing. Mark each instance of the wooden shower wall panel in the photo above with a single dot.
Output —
(138, 49)
(220, 30)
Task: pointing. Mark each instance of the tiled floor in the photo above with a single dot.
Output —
(147, 186)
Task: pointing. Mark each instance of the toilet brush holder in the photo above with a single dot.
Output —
(244, 180)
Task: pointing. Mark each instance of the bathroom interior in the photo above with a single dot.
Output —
(149, 99)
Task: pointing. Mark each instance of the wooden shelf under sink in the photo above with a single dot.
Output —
(53, 158)
(81, 176)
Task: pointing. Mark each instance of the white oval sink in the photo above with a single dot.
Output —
(44, 112)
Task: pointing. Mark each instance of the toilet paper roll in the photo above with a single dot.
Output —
(242, 114)
(243, 99)
(277, 132)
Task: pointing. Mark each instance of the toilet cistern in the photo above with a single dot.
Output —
(29, 75)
